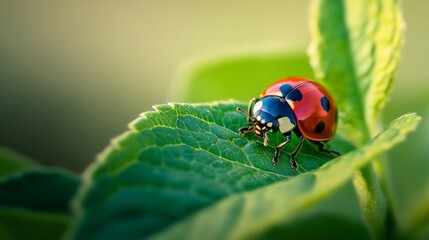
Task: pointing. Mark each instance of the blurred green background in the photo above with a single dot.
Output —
(72, 75)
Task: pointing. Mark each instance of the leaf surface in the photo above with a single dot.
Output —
(255, 214)
(175, 161)
(183, 158)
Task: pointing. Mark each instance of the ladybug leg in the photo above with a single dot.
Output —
(293, 164)
(322, 146)
(266, 139)
(275, 159)
(245, 130)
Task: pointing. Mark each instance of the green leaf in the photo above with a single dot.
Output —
(37, 200)
(11, 162)
(336, 216)
(241, 77)
(175, 161)
(354, 53)
(257, 213)
(183, 158)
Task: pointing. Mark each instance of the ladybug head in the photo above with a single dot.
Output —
(263, 123)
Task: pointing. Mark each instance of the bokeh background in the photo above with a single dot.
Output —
(73, 74)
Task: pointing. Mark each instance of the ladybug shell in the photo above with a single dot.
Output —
(314, 108)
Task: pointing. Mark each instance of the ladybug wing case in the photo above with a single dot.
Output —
(315, 112)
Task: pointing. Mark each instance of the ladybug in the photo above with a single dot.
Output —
(295, 105)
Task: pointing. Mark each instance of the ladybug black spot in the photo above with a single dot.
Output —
(294, 95)
(320, 126)
(325, 104)
(285, 89)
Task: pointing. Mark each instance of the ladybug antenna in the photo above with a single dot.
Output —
(249, 119)
(249, 110)
(242, 111)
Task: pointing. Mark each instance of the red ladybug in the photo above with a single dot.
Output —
(296, 105)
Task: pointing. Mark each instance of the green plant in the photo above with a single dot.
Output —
(183, 172)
